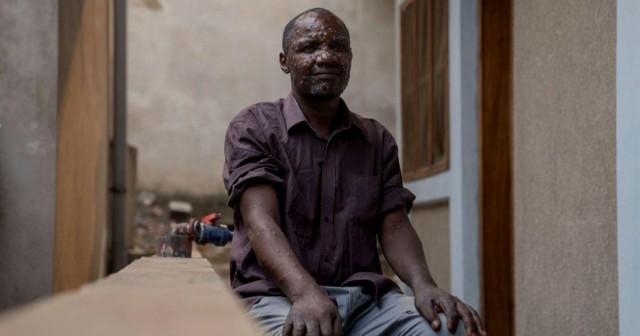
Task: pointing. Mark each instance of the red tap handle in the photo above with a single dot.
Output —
(211, 218)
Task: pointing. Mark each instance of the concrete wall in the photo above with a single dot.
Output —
(28, 95)
(193, 65)
(431, 222)
(152, 296)
(564, 167)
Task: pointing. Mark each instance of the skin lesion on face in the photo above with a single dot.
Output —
(318, 56)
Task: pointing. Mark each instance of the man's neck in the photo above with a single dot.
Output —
(321, 114)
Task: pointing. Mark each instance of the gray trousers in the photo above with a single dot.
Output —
(394, 314)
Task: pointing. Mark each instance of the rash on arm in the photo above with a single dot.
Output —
(260, 211)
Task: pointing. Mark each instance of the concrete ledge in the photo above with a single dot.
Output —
(152, 296)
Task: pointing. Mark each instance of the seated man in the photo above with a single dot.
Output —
(313, 185)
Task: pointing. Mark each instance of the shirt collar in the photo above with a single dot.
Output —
(293, 115)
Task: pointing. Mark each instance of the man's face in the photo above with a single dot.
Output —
(318, 57)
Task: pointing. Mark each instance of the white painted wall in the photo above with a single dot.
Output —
(628, 164)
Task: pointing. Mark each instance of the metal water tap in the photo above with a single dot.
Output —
(202, 231)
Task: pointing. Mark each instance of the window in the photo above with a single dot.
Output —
(425, 81)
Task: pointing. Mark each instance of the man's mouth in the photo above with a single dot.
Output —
(327, 74)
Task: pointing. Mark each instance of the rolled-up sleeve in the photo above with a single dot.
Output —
(248, 160)
(395, 195)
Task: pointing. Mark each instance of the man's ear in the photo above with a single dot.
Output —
(283, 63)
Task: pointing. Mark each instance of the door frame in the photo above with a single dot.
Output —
(496, 165)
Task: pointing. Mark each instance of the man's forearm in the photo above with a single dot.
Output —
(259, 209)
(403, 250)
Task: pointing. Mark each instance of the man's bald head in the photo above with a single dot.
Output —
(288, 29)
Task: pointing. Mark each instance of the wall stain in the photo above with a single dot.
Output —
(155, 5)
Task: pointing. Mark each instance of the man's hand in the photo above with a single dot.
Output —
(432, 300)
(313, 314)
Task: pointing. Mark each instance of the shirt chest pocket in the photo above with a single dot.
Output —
(362, 198)
(302, 209)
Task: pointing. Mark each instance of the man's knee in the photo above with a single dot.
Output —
(419, 326)
(270, 313)
(404, 319)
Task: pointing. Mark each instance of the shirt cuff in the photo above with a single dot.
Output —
(253, 177)
(396, 198)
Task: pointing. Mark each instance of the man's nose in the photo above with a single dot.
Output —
(326, 57)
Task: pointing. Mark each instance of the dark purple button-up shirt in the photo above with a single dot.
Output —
(333, 193)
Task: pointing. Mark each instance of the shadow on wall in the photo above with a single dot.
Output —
(152, 4)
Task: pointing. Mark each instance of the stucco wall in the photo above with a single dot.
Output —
(28, 95)
(564, 167)
(193, 65)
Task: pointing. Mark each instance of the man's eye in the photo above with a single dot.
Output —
(307, 49)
